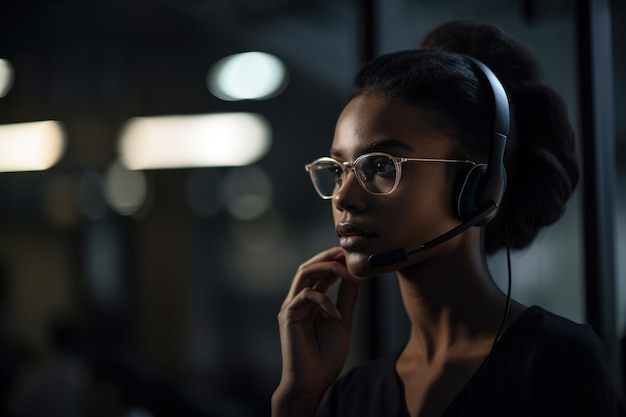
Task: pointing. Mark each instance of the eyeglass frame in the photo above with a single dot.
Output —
(397, 160)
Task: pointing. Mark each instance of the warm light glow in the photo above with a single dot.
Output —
(6, 77)
(247, 76)
(226, 139)
(33, 146)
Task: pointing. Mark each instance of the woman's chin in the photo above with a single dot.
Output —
(358, 265)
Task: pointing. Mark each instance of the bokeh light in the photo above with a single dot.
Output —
(247, 76)
(223, 139)
(126, 190)
(6, 77)
(32, 146)
(261, 234)
(247, 192)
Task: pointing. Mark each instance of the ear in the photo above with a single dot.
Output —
(466, 201)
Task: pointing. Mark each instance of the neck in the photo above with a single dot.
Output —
(454, 307)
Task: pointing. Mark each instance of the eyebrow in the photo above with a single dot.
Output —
(378, 146)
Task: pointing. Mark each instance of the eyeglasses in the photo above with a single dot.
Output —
(378, 173)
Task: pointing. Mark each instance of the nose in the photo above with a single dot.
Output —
(350, 196)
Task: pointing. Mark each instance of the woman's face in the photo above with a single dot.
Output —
(419, 210)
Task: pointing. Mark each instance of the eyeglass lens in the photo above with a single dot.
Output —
(376, 174)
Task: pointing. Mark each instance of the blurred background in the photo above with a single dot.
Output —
(154, 204)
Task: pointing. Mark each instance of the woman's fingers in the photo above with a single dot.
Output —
(321, 272)
(314, 332)
(320, 299)
(298, 308)
(311, 284)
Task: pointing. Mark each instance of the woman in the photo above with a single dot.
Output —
(417, 152)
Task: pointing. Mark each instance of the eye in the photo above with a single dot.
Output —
(384, 166)
(379, 165)
(330, 169)
(335, 170)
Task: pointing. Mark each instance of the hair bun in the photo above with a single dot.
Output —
(541, 166)
(512, 62)
(540, 159)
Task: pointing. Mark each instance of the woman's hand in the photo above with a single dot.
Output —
(314, 333)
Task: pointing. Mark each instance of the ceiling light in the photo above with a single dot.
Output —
(247, 76)
(32, 146)
(224, 139)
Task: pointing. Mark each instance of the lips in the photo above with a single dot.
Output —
(352, 237)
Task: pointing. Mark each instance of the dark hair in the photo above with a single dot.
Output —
(540, 159)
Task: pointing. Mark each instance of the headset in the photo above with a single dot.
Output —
(484, 184)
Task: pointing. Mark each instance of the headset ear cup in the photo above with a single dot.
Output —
(469, 189)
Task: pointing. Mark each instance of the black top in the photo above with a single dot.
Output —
(543, 365)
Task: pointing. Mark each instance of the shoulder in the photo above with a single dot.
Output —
(551, 333)
(568, 363)
(550, 343)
